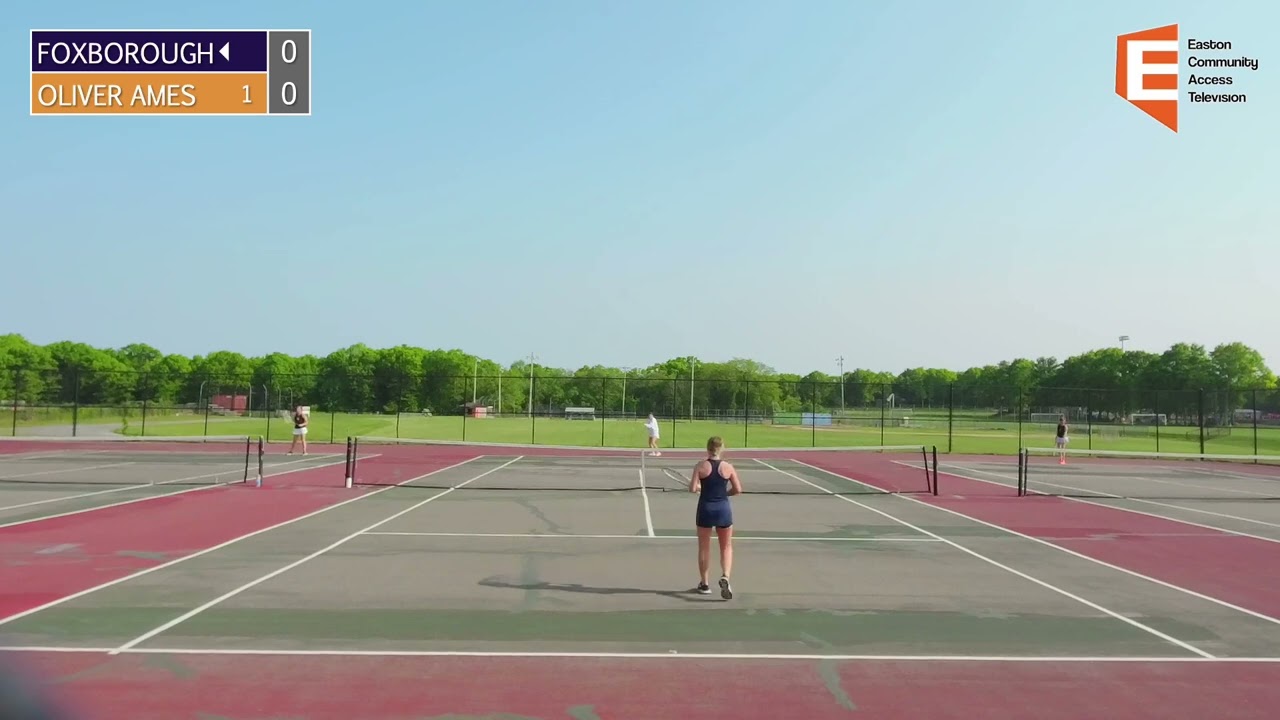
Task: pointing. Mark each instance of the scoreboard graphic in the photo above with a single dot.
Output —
(171, 72)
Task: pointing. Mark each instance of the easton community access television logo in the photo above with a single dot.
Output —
(1147, 72)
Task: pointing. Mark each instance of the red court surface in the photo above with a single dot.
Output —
(1219, 564)
(46, 560)
(342, 687)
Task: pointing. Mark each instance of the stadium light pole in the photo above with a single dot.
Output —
(840, 361)
(533, 359)
(625, 371)
(1123, 340)
(692, 361)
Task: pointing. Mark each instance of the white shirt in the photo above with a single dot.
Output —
(652, 425)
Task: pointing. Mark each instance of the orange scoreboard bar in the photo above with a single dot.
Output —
(171, 72)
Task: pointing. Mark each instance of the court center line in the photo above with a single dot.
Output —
(280, 571)
(1087, 501)
(807, 657)
(1065, 593)
(1082, 556)
(646, 538)
(206, 551)
(65, 470)
(148, 497)
(644, 495)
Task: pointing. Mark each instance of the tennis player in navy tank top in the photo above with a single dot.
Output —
(714, 481)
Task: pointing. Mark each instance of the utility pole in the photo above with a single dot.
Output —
(840, 361)
(533, 359)
(692, 362)
(625, 372)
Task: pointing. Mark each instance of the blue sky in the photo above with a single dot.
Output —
(931, 184)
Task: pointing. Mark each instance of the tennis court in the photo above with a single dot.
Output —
(860, 573)
(39, 476)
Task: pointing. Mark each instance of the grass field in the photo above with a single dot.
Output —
(971, 432)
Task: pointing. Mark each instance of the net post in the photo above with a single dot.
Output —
(346, 467)
(1024, 462)
(924, 454)
(262, 452)
(248, 451)
(935, 470)
(352, 446)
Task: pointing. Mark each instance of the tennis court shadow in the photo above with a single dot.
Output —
(685, 595)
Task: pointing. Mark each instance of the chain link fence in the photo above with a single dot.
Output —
(532, 406)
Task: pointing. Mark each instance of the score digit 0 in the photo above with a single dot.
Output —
(289, 70)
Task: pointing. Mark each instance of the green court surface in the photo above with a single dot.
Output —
(501, 571)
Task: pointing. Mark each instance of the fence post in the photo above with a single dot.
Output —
(1088, 414)
(533, 408)
(675, 393)
(884, 400)
(1253, 403)
(1156, 410)
(604, 393)
(813, 414)
(17, 378)
(1200, 403)
(951, 413)
(75, 403)
(145, 392)
(465, 410)
(1017, 398)
(746, 414)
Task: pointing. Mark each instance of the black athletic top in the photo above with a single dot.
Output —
(715, 487)
(1062, 429)
(299, 420)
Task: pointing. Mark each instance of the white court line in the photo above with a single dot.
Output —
(64, 470)
(1125, 509)
(1089, 603)
(61, 498)
(644, 495)
(673, 655)
(280, 571)
(646, 538)
(1082, 556)
(208, 550)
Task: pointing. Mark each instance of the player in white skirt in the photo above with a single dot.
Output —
(1061, 440)
(652, 426)
(299, 430)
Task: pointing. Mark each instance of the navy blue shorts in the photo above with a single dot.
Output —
(714, 514)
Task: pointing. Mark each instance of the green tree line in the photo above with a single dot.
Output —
(411, 379)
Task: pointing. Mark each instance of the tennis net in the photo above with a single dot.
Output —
(381, 461)
(1147, 475)
(129, 460)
